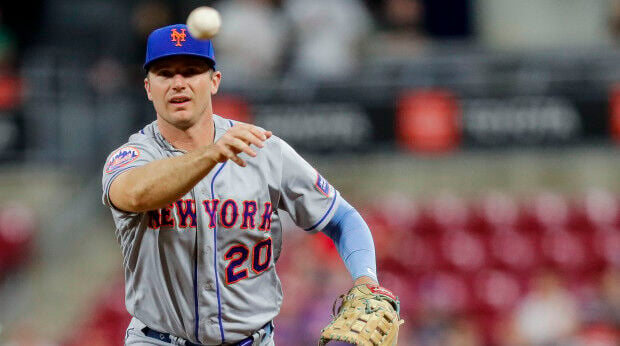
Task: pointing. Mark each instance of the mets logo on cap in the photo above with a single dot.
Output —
(174, 40)
(121, 157)
(176, 36)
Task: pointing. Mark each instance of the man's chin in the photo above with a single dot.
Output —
(184, 124)
(181, 121)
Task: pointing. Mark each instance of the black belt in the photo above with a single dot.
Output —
(165, 337)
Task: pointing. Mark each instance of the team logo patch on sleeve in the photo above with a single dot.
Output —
(122, 157)
(322, 185)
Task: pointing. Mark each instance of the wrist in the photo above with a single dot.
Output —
(211, 156)
(365, 280)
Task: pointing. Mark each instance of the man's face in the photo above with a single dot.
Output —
(180, 88)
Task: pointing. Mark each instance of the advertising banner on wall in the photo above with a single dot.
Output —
(430, 121)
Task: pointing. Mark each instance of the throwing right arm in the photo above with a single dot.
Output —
(161, 182)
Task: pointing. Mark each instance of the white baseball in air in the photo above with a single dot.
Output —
(204, 22)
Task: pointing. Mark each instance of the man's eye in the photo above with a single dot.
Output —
(165, 73)
(191, 72)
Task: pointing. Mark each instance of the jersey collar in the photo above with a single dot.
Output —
(221, 126)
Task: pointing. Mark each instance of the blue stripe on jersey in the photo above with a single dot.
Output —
(217, 279)
(215, 261)
(196, 285)
(324, 216)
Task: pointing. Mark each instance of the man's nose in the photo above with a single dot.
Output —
(178, 81)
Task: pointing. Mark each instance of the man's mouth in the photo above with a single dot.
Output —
(179, 100)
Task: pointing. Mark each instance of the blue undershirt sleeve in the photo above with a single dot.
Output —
(353, 240)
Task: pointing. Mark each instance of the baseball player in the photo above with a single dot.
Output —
(196, 200)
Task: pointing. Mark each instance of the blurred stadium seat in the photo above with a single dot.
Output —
(107, 321)
(17, 234)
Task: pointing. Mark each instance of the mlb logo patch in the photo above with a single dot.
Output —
(122, 157)
(322, 185)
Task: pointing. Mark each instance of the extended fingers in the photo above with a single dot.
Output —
(241, 146)
(252, 138)
(250, 134)
(238, 140)
(230, 154)
(259, 133)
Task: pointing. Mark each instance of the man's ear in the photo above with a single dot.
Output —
(147, 87)
(216, 78)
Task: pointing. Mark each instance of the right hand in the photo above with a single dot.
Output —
(238, 140)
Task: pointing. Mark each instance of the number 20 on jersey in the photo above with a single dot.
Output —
(238, 255)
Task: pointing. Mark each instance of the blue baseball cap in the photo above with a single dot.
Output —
(176, 40)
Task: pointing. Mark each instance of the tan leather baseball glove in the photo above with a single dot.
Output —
(368, 316)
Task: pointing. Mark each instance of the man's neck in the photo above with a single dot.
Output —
(200, 134)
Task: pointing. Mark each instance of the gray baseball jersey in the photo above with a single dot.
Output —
(203, 268)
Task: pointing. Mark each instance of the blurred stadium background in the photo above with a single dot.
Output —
(478, 138)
